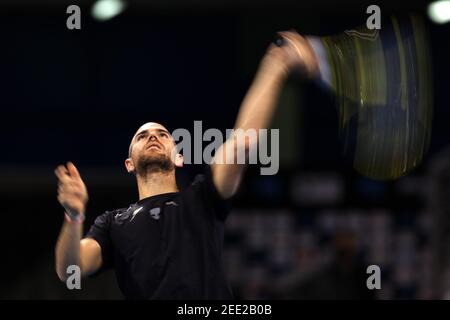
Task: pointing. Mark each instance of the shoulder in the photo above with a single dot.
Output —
(203, 182)
(108, 216)
(203, 191)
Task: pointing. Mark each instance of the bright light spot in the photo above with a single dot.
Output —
(439, 11)
(106, 9)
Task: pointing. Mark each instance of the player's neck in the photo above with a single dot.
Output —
(156, 183)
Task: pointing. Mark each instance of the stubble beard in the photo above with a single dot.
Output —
(148, 164)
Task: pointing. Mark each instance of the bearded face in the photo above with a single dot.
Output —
(151, 150)
(153, 162)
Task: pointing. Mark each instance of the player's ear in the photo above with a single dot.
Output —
(177, 158)
(130, 165)
(179, 161)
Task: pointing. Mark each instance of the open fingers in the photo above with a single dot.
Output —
(73, 171)
(68, 175)
(62, 173)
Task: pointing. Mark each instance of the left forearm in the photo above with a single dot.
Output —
(259, 104)
(258, 107)
(256, 113)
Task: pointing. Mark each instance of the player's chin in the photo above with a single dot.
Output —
(154, 150)
(155, 155)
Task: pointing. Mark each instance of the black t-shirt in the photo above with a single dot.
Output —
(168, 246)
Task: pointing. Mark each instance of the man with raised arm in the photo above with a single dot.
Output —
(168, 244)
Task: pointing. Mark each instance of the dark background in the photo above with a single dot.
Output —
(308, 232)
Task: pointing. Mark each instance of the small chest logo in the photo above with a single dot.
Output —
(155, 213)
(135, 213)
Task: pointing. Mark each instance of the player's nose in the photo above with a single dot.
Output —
(153, 137)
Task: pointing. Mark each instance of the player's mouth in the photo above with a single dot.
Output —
(154, 146)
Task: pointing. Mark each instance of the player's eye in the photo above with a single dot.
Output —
(163, 135)
(140, 137)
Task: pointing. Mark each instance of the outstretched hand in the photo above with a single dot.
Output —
(72, 192)
(294, 54)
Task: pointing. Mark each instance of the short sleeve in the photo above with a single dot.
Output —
(219, 206)
(100, 231)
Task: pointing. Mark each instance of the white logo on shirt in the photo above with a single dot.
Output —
(172, 203)
(135, 213)
(155, 213)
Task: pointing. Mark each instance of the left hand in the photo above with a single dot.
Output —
(294, 54)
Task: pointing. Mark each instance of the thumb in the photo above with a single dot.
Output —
(73, 171)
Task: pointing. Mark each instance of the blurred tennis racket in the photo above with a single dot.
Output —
(383, 87)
